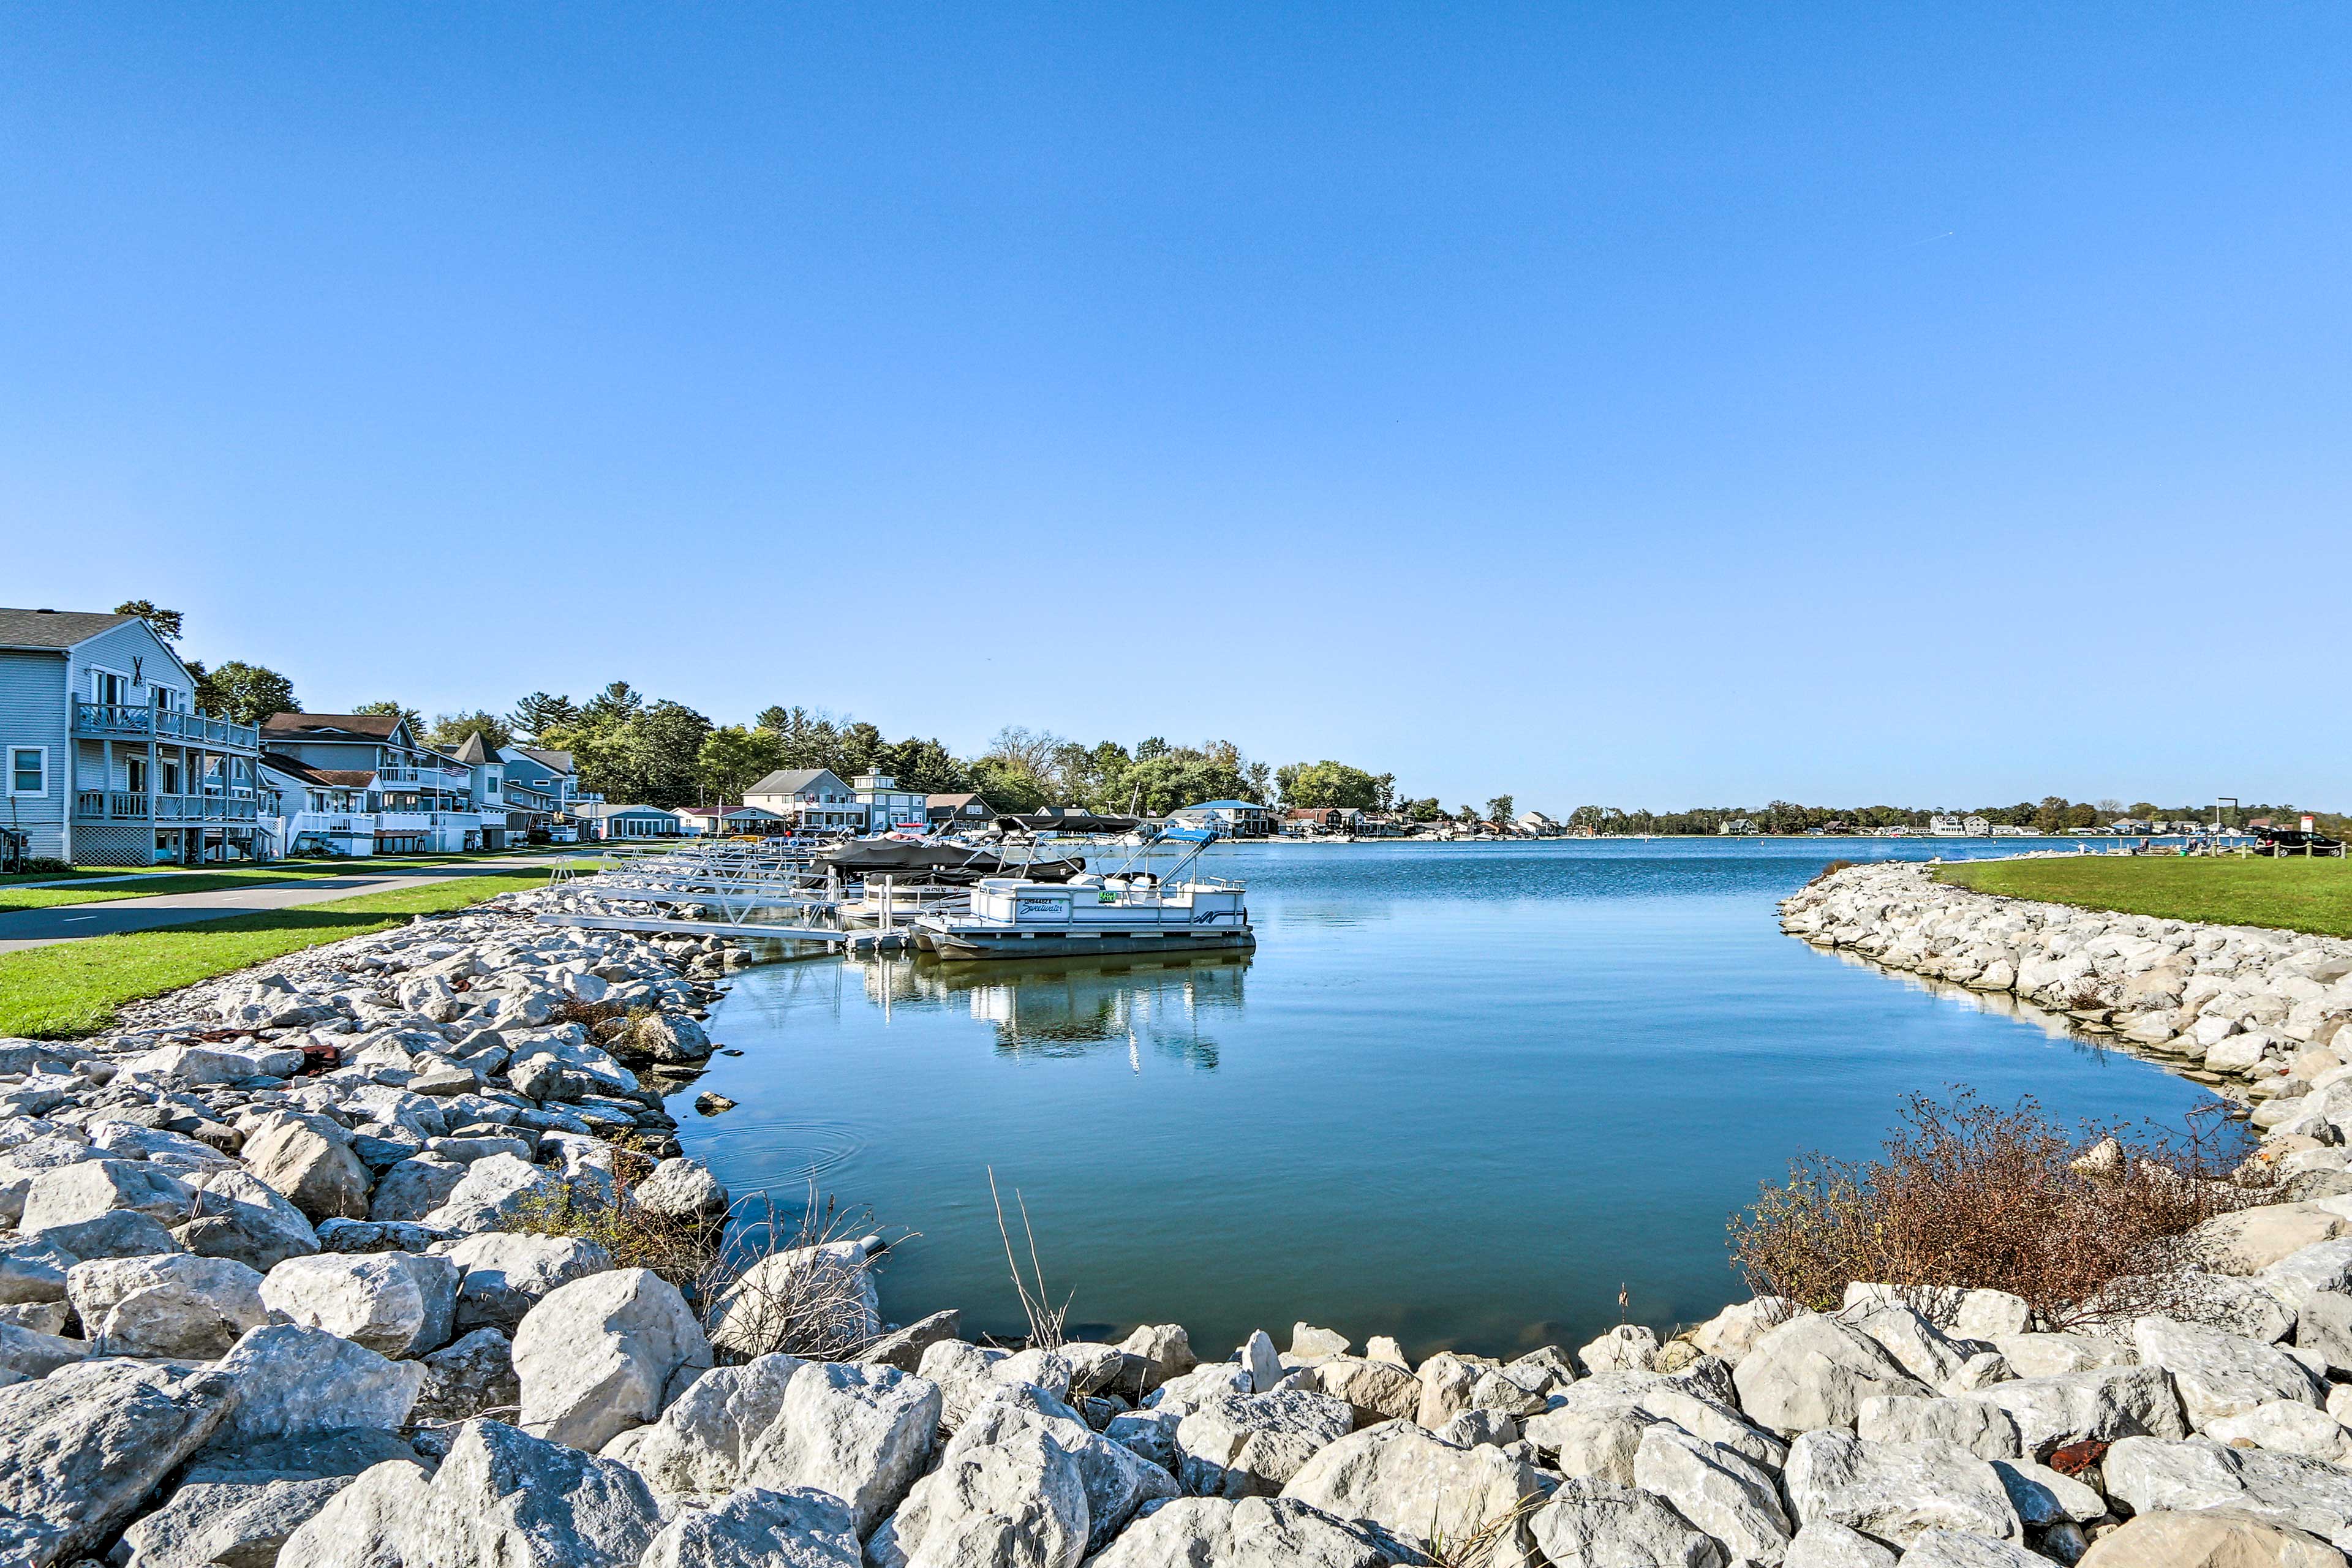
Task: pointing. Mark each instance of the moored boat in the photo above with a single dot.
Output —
(1128, 911)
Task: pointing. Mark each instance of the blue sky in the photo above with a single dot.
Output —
(1636, 405)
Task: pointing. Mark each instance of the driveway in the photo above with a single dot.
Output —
(66, 922)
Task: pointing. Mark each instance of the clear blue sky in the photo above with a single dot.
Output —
(1635, 405)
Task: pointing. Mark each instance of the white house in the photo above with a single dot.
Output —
(106, 760)
(811, 798)
(1230, 818)
(1946, 826)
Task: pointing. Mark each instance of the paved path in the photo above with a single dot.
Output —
(64, 922)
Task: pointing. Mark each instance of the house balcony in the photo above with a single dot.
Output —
(400, 775)
(133, 805)
(126, 722)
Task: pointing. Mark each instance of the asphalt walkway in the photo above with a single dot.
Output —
(66, 922)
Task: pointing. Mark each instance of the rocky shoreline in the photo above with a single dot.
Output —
(270, 1294)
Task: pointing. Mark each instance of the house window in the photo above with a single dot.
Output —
(108, 688)
(28, 769)
(134, 771)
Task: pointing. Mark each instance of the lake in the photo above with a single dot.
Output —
(1461, 1094)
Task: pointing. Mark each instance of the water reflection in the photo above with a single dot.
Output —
(1047, 1009)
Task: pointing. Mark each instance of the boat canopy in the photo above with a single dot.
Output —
(950, 863)
(1066, 820)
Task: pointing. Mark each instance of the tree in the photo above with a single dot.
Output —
(164, 623)
(1007, 787)
(408, 715)
(1499, 810)
(450, 729)
(732, 759)
(617, 703)
(538, 713)
(654, 754)
(925, 765)
(1425, 809)
(248, 693)
(1311, 786)
(2050, 816)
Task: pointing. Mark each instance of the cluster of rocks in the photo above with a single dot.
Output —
(2252, 1010)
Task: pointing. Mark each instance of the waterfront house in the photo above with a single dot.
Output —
(1977, 827)
(609, 821)
(2010, 830)
(1230, 818)
(886, 805)
(1315, 821)
(1536, 824)
(549, 774)
(958, 810)
(700, 820)
(108, 761)
(419, 799)
(1946, 827)
(1737, 826)
(809, 799)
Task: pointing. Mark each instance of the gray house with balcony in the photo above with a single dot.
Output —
(107, 761)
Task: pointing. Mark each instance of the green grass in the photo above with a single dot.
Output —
(2289, 894)
(70, 988)
(17, 894)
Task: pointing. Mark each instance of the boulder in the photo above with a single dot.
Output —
(239, 1216)
(780, 1293)
(1826, 1545)
(669, 1037)
(1628, 1347)
(90, 1189)
(1896, 1492)
(2325, 1266)
(1256, 1532)
(233, 1526)
(2106, 1404)
(26, 1351)
(504, 1498)
(1729, 1498)
(1813, 1371)
(2250, 1240)
(596, 1356)
(1958, 1549)
(394, 1303)
(1250, 1445)
(291, 1382)
(472, 1376)
(1018, 1503)
(175, 1304)
(759, 1528)
(412, 1188)
(502, 1276)
(1731, 1333)
(2212, 1538)
(2219, 1374)
(493, 1192)
(1117, 1481)
(700, 1447)
(904, 1348)
(2152, 1475)
(81, 1448)
(861, 1433)
(682, 1191)
(1590, 1524)
(314, 1170)
(118, 1233)
(2324, 1328)
(1263, 1361)
(1406, 1482)
(1179, 1396)
(1916, 1344)
(1166, 1346)
(1375, 1391)
(1982, 1428)
(2053, 1356)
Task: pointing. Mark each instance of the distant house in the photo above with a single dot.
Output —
(106, 760)
(1946, 826)
(1977, 827)
(696, 820)
(547, 776)
(1230, 818)
(886, 805)
(1738, 825)
(958, 810)
(631, 821)
(1319, 820)
(1536, 824)
(417, 798)
(2010, 830)
(810, 798)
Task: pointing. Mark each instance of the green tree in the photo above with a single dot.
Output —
(1008, 787)
(538, 713)
(616, 704)
(732, 759)
(1312, 785)
(2053, 815)
(450, 729)
(401, 710)
(248, 693)
(164, 623)
(1500, 810)
(1425, 809)
(926, 766)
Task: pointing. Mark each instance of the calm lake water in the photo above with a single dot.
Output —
(1458, 1094)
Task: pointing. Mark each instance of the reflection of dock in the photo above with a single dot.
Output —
(1051, 1007)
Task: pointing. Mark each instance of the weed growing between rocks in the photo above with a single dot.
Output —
(1831, 869)
(1969, 1195)
(682, 1251)
(801, 1285)
(1046, 1321)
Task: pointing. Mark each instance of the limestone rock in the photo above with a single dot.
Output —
(1404, 1481)
(1116, 1481)
(36, 1352)
(235, 1526)
(502, 1276)
(1826, 1545)
(2220, 1375)
(759, 1528)
(365, 1525)
(1166, 1346)
(2212, 1538)
(291, 1381)
(863, 1434)
(2250, 1240)
(81, 1448)
(239, 1216)
(1731, 1333)
(1958, 1549)
(492, 1192)
(1374, 1390)
(88, 1189)
(683, 1191)
(700, 1448)
(172, 1305)
(2106, 1404)
(1250, 1445)
(594, 1356)
(760, 1310)
(904, 1348)
(1255, 1532)
(1896, 1492)
(1814, 1372)
(1731, 1499)
(316, 1173)
(394, 1303)
(1018, 1503)
(472, 1376)
(413, 1188)
(1982, 1428)
(503, 1498)
(2152, 1475)
(1590, 1524)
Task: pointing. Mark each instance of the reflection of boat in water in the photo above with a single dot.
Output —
(1069, 1007)
(1131, 910)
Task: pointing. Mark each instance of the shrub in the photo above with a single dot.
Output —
(1969, 1195)
(1831, 869)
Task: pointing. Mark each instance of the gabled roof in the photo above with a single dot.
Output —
(57, 630)
(330, 726)
(791, 781)
(324, 778)
(556, 761)
(955, 802)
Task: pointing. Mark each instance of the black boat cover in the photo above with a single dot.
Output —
(938, 863)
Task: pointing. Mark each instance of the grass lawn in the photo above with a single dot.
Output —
(26, 894)
(70, 988)
(2289, 893)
